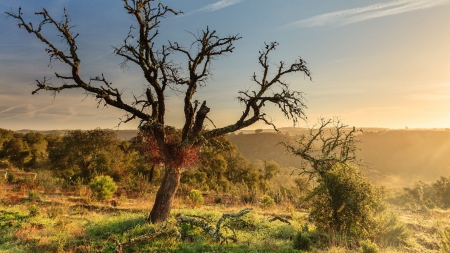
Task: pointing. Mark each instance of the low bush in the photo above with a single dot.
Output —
(267, 202)
(195, 198)
(33, 195)
(345, 201)
(34, 210)
(368, 246)
(103, 187)
(302, 241)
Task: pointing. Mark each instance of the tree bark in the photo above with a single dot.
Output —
(165, 195)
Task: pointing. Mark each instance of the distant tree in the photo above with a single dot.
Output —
(258, 131)
(37, 145)
(86, 154)
(221, 166)
(16, 151)
(268, 170)
(163, 76)
(5, 135)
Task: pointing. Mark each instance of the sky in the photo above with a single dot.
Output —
(373, 63)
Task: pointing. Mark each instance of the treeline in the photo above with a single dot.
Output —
(425, 195)
(78, 157)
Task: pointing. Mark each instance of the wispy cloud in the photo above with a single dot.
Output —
(32, 111)
(350, 16)
(216, 6)
(12, 108)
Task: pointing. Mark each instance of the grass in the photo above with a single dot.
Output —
(47, 222)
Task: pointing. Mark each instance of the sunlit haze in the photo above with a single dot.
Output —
(373, 63)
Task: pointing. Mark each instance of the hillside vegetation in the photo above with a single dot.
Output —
(90, 191)
(390, 157)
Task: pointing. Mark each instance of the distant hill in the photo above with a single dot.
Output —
(390, 157)
(122, 134)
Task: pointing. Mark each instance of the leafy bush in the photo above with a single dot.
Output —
(302, 241)
(218, 200)
(11, 178)
(33, 195)
(195, 198)
(103, 187)
(345, 201)
(267, 202)
(34, 210)
(368, 246)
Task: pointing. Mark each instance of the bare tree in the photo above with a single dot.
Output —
(163, 76)
(330, 143)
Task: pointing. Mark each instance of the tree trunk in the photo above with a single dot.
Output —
(166, 193)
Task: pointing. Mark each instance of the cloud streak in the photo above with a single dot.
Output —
(32, 111)
(216, 6)
(12, 108)
(355, 15)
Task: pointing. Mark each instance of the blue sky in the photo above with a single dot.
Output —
(374, 63)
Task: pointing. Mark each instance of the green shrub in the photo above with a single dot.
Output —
(33, 195)
(302, 241)
(368, 246)
(34, 210)
(267, 202)
(218, 200)
(11, 178)
(195, 198)
(103, 187)
(345, 201)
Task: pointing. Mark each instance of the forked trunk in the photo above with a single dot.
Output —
(166, 193)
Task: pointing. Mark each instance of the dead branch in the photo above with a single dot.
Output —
(324, 146)
(280, 219)
(214, 232)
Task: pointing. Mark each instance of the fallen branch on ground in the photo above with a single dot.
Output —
(214, 232)
(280, 219)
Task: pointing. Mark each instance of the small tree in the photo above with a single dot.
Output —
(103, 187)
(344, 200)
(163, 76)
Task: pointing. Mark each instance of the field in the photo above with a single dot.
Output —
(44, 217)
